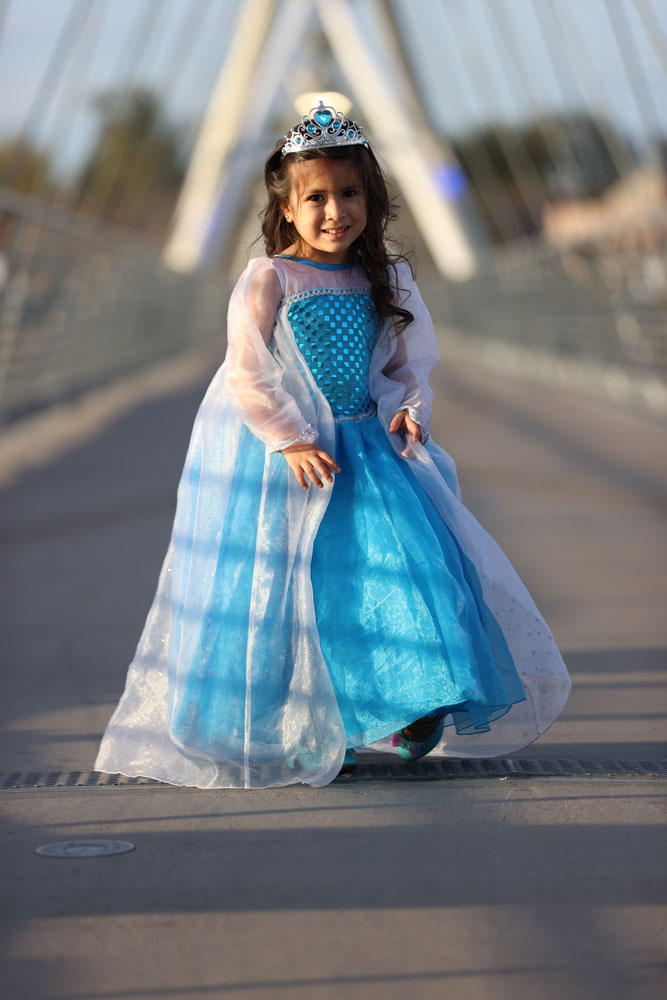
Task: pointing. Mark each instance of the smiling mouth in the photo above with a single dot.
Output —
(338, 231)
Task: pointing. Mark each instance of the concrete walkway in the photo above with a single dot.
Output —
(498, 888)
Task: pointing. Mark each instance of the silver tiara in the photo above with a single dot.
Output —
(323, 126)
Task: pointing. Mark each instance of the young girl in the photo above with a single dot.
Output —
(324, 587)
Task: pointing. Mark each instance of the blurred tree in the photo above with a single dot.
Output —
(659, 146)
(585, 163)
(514, 171)
(134, 171)
(507, 192)
(24, 168)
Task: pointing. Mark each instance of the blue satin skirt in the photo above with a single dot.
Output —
(403, 626)
(402, 623)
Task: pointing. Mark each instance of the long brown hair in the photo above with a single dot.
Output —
(370, 246)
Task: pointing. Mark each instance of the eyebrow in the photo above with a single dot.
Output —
(344, 187)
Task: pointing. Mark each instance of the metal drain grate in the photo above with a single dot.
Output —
(69, 779)
(505, 767)
(384, 770)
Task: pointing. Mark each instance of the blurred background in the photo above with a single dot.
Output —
(527, 141)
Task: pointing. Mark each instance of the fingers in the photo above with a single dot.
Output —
(402, 419)
(320, 465)
(312, 465)
(298, 470)
(317, 467)
(315, 478)
(332, 461)
(413, 428)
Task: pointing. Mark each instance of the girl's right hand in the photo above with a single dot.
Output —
(309, 460)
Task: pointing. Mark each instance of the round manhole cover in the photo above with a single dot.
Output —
(84, 848)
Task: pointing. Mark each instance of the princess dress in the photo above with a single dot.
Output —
(291, 624)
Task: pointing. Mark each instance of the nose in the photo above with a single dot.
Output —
(334, 207)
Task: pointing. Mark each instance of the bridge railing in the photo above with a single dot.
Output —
(82, 303)
(593, 312)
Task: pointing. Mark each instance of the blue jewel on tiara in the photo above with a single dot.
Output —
(323, 126)
(323, 117)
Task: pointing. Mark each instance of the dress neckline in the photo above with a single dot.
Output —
(314, 263)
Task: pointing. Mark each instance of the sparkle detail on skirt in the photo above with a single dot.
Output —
(358, 416)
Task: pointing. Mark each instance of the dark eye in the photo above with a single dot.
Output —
(314, 197)
(350, 193)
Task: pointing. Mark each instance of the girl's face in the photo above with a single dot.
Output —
(327, 207)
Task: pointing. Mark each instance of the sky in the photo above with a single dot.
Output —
(474, 61)
(469, 59)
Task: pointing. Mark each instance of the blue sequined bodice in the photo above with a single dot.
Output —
(335, 332)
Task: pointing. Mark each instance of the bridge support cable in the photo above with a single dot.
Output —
(501, 21)
(192, 232)
(47, 88)
(590, 86)
(653, 30)
(369, 77)
(646, 106)
(493, 191)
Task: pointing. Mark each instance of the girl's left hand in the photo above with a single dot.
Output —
(402, 419)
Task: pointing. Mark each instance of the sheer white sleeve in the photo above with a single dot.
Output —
(253, 377)
(415, 355)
